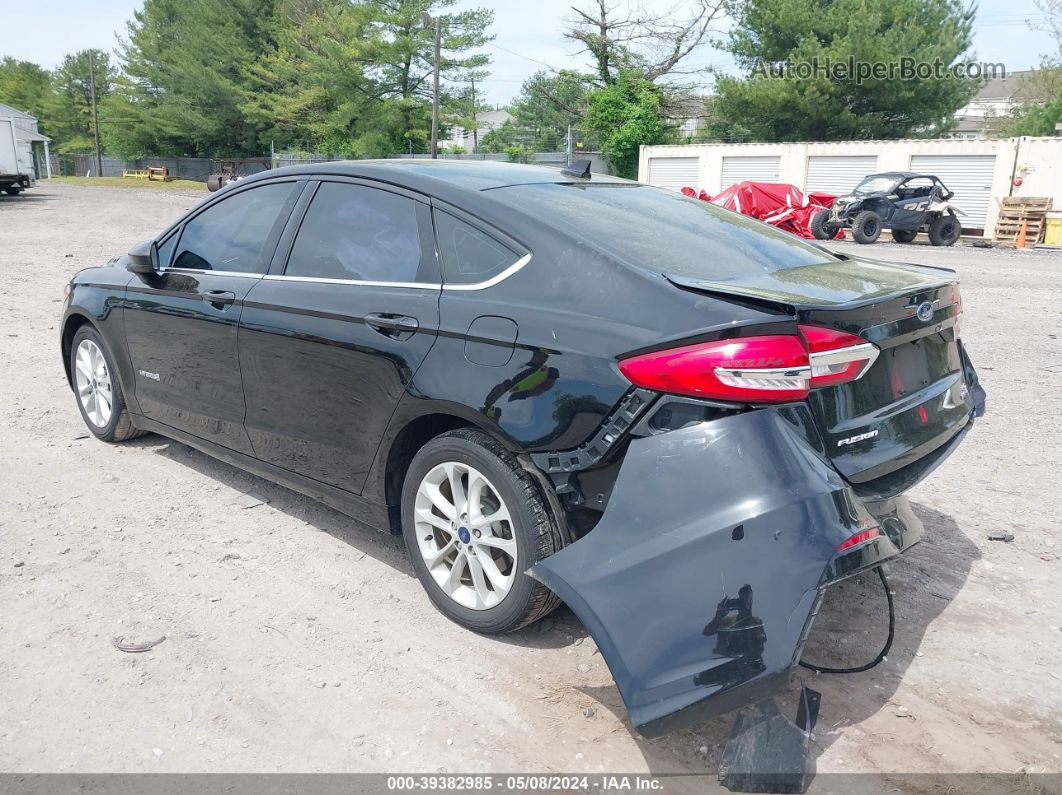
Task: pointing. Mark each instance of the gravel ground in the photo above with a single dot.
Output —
(297, 642)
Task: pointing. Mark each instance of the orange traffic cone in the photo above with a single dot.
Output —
(1021, 234)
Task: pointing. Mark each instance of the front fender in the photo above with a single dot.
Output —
(97, 296)
(700, 582)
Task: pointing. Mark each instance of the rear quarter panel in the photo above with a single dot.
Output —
(575, 311)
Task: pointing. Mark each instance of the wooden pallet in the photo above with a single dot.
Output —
(1016, 211)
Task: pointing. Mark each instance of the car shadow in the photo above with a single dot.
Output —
(558, 630)
(24, 197)
(850, 630)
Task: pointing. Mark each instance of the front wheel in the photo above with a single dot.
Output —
(904, 235)
(821, 226)
(13, 190)
(99, 395)
(866, 227)
(474, 521)
(945, 230)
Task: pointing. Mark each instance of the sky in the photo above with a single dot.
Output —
(528, 35)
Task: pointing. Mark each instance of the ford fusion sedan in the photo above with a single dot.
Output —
(555, 386)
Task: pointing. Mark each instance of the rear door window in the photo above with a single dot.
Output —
(232, 234)
(469, 255)
(357, 233)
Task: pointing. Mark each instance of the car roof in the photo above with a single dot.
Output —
(429, 175)
(899, 174)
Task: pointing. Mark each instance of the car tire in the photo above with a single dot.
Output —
(13, 190)
(94, 380)
(945, 230)
(866, 227)
(529, 533)
(904, 235)
(820, 226)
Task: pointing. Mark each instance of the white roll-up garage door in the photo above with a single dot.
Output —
(674, 173)
(969, 177)
(754, 169)
(838, 174)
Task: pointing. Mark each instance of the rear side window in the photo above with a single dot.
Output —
(231, 235)
(468, 254)
(356, 233)
(663, 231)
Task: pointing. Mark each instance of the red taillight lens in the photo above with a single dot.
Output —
(956, 310)
(836, 357)
(763, 369)
(771, 369)
(858, 538)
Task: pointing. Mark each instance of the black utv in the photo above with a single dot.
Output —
(901, 201)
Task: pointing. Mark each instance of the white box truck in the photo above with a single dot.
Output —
(16, 160)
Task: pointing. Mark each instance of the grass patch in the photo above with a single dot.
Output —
(121, 182)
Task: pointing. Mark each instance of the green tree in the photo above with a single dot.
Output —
(69, 106)
(184, 78)
(548, 103)
(405, 63)
(625, 115)
(770, 33)
(25, 86)
(311, 90)
(1041, 108)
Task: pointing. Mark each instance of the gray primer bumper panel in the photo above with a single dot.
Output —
(700, 581)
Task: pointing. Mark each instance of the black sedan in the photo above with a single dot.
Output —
(679, 421)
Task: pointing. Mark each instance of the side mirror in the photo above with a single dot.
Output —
(142, 258)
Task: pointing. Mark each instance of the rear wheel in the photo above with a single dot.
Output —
(821, 226)
(945, 230)
(13, 190)
(904, 235)
(99, 395)
(474, 521)
(866, 227)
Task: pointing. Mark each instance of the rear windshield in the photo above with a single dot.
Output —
(663, 231)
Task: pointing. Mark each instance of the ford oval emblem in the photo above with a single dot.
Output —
(925, 311)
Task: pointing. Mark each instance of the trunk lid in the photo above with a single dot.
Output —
(915, 397)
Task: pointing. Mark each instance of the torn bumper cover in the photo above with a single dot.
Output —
(701, 579)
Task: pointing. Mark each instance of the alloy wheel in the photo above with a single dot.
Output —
(93, 381)
(465, 535)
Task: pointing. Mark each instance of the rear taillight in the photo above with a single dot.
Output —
(771, 369)
(956, 311)
(859, 538)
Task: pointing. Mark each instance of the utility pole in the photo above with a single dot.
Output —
(475, 124)
(569, 147)
(426, 18)
(95, 116)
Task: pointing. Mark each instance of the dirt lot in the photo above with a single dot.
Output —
(296, 641)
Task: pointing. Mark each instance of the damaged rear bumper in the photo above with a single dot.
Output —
(701, 579)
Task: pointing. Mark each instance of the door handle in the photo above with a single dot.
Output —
(220, 298)
(392, 325)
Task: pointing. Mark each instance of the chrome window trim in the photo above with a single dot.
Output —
(240, 274)
(505, 274)
(499, 277)
(280, 277)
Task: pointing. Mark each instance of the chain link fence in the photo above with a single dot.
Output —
(199, 168)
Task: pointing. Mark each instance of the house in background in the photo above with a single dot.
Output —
(466, 139)
(26, 135)
(997, 99)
